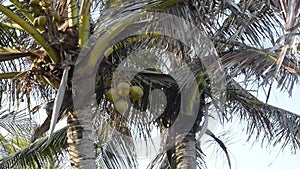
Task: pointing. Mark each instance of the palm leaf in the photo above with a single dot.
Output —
(291, 9)
(39, 152)
(221, 144)
(275, 125)
(16, 123)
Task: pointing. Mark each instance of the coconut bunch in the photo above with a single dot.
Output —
(119, 96)
(40, 14)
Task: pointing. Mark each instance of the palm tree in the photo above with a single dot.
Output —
(45, 54)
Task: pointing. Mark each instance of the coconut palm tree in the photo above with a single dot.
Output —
(47, 61)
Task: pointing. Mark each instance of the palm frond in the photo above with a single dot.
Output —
(237, 21)
(275, 125)
(5, 146)
(38, 153)
(117, 154)
(261, 64)
(32, 31)
(221, 144)
(291, 11)
(166, 158)
(114, 146)
(16, 122)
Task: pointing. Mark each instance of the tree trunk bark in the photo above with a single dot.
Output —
(80, 134)
(186, 151)
(80, 140)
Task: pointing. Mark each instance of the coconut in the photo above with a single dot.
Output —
(36, 11)
(57, 16)
(31, 9)
(112, 95)
(121, 106)
(42, 20)
(34, 3)
(202, 84)
(136, 92)
(123, 89)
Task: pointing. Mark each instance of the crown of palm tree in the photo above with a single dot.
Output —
(254, 40)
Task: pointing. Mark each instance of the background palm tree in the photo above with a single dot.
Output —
(256, 42)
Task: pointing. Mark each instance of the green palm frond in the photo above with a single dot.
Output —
(16, 122)
(5, 146)
(275, 125)
(20, 6)
(39, 153)
(260, 64)
(114, 154)
(84, 22)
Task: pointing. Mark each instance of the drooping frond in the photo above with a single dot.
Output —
(166, 158)
(31, 30)
(221, 144)
(273, 124)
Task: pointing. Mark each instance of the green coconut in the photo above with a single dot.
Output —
(112, 95)
(34, 3)
(123, 89)
(121, 106)
(136, 92)
(42, 20)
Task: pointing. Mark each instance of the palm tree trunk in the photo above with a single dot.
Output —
(186, 151)
(81, 144)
